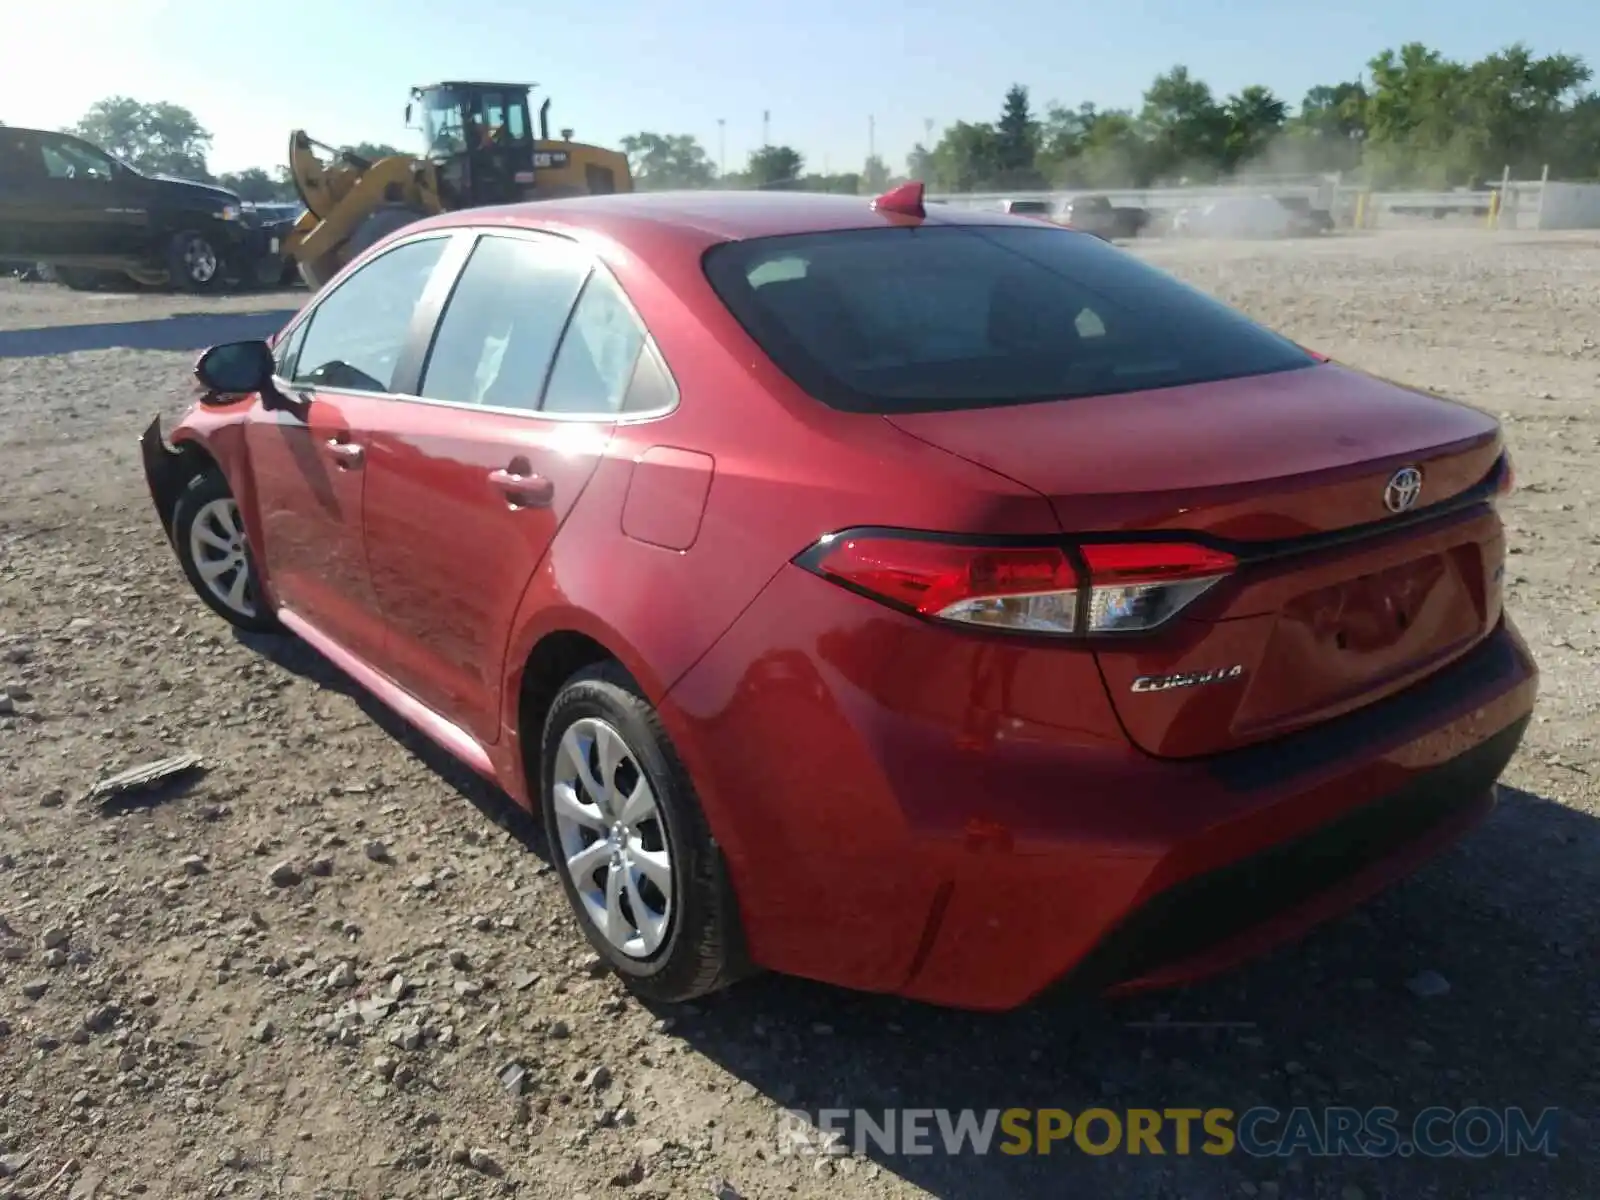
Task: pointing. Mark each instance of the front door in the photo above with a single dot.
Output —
(468, 485)
(308, 463)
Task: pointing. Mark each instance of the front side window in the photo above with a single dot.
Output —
(444, 125)
(68, 160)
(965, 316)
(597, 356)
(503, 321)
(358, 331)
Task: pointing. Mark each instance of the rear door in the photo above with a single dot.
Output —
(309, 469)
(468, 483)
(89, 215)
(24, 211)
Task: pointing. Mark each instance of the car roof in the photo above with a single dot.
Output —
(700, 219)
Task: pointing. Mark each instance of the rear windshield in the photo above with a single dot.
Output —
(965, 316)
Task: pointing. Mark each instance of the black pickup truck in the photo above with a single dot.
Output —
(94, 219)
(1097, 215)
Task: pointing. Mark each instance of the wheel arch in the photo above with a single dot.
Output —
(543, 656)
(171, 467)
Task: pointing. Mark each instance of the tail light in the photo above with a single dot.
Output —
(1100, 587)
(1507, 479)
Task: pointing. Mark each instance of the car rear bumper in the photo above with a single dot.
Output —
(897, 817)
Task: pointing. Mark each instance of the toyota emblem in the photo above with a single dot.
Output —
(1405, 485)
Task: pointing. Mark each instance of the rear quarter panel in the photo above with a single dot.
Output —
(786, 470)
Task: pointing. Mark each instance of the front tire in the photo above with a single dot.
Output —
(630, 843)
(208, 534)
(193, 263)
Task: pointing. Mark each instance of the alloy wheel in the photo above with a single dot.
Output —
(220, 551)
(199, 260)
(613, 838)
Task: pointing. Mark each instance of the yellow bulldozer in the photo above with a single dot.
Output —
(481, 148)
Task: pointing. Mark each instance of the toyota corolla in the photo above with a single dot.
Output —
(927, 601)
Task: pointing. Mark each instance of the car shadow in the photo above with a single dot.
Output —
(180, 331)
(1341, 1020)
(297, 657)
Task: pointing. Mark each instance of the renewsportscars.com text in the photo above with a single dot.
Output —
(1435, 1132)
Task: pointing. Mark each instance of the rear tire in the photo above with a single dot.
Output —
(209, 536)
(643, 826)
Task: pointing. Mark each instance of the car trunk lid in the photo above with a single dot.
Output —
(1339, 600)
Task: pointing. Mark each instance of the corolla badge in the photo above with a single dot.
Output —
(1403, 489)
(1186, 679)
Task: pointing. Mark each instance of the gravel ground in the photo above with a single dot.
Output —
(310, 973)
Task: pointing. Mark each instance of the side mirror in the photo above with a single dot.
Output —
(236, 368)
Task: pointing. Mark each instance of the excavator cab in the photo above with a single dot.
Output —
(480, 139)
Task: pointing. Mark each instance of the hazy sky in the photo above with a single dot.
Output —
(341, 68)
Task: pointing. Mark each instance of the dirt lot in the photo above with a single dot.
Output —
(181, 1014)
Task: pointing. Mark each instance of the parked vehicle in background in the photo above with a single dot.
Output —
(99, 221)
(1305, 220)
(1097, 215)
(1026, 208)
(1256, 216)
(926, 600)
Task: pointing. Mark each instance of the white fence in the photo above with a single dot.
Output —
(1522, 204)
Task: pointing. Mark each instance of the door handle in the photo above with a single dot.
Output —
(347, 454)
(523, 491)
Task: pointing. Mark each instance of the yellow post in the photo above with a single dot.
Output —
(1361, 211)
(1493, 220)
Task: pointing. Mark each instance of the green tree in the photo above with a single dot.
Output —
(371, 151)
(159, 139)
(875, 175)
(1421, 128)
(1255, 120)
(256, 185)
(1186, 128)
(967, 159)
(668, 161)
(1116, 153)
(1330, 129)
(775, 167)
(1016, 142)
(919, 164)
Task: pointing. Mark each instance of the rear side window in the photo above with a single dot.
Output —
(945, 317)
(503, 321)
(595, 364)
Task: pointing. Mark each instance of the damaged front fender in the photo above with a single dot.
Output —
(167, 471)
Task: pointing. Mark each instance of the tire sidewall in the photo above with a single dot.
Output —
(202, 490)
(591, 695)
(178, 268)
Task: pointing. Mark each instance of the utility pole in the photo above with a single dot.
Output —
(927, 131)
(766, 123)
(722, 145)
(872, 136)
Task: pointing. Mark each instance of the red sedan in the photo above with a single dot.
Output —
(927, 601)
